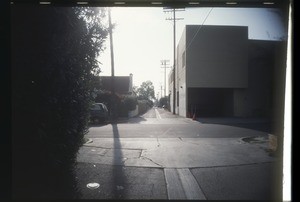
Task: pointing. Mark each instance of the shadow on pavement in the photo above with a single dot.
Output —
(263, 125)
(136, 119)
(118, 175)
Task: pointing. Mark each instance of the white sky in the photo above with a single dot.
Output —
(142, 37)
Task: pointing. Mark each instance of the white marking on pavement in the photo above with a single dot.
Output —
(190, 185)
(174, 186)
(157, 114)
(166, 131)
(181, 184)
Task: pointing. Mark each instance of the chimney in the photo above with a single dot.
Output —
(130, 83)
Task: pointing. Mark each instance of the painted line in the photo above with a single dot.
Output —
(181, 184)
(157, 114)
(190, 185)
(166, 131)
(174, 186)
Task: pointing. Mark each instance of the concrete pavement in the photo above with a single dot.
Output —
(173, 152)
(174, 165)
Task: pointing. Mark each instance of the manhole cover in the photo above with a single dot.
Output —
(93, 185)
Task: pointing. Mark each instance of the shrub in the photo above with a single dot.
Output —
(127, 103)
(165, 101)
(53, 57)
(130, 102)
(143, 106)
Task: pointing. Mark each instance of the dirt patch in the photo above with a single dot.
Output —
(256, 140)
(264, 142)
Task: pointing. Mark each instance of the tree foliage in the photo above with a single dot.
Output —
(130, 102)
(165, 101)
(54, 51)
(145, 91)
(96, 32)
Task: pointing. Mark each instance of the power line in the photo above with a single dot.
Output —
(173, 10)
(199, 28)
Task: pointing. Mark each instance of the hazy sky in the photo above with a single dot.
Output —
(142, 37)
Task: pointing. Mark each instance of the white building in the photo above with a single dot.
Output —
(219, 72)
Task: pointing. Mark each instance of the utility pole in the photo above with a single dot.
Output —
(174, 44)
(164, 65)
(112, 67)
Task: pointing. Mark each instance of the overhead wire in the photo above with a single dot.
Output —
(199, 28)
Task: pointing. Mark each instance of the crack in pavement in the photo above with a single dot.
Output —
(158, 142)
(112, 148)
(152, 161)
(140, 153)
(180, 138)
(141, 157)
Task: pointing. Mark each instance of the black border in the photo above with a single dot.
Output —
(160, 3)
(5, 143)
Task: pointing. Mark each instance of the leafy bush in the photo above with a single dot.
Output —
(124, 103)
(130, 102)
(143, 106)
(127, 103)
(104, 97)
(165, 101)
(54, 54)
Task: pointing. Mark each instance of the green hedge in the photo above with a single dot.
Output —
(130, 102)
(53, 57)
(125, 103)
(143, 106)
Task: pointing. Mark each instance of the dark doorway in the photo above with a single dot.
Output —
(210, 102)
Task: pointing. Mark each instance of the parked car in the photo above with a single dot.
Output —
(98, 113)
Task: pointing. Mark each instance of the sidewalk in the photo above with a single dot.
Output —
(177, 168)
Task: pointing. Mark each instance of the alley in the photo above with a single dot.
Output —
(162, 156)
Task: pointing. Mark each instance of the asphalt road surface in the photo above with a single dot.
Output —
(160, 123)
(163, 156)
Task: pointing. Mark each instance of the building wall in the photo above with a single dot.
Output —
(217, 56)
(240, 103)
(226, 71)
(181, 87)
(170, 82)
(257, 99)
(214, 58)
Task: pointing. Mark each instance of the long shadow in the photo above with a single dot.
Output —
(263, 126)
(118, 175)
